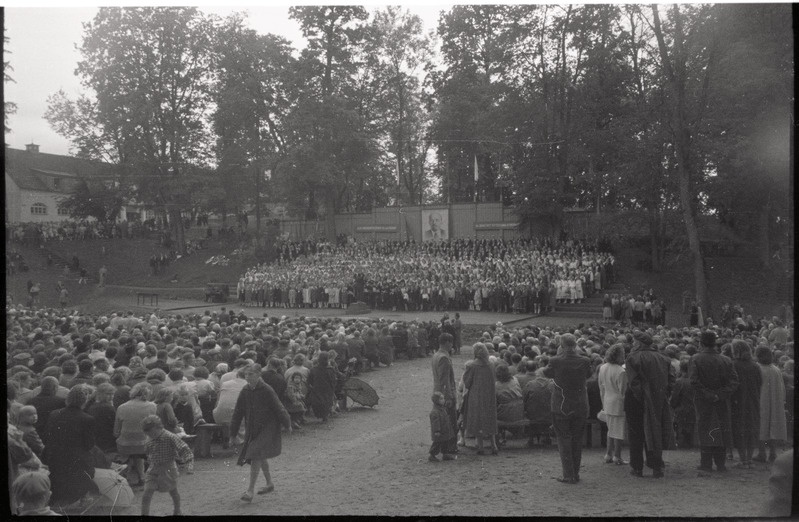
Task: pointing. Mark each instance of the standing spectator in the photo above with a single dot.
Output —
(322, 387)
(263, 413)
(713, 379)
(682, 403)
(481, 400)
(646, 405)
(773, 430)
(745, 403)
(444, 383)
(457, 325)
(569, 405)
(440, 429)
(70, 436)
(612, 386)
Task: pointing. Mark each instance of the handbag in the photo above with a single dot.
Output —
(602, 416)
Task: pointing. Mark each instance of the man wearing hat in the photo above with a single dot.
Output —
(713, 379)
(646, 405)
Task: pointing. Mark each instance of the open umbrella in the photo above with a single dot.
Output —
(114, 489)
(360, 392)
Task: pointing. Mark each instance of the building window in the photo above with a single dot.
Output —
(63, 211)
(57, 183)
(39, 209)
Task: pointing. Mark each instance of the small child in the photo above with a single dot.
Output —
(163, 449)
(26, 422)
(31, 492)
(295, 400)
(440, 428)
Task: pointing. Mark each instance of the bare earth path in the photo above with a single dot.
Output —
(374, 462)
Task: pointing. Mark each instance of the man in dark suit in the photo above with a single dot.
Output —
(646, 405)
(713, 379)
(569, 404)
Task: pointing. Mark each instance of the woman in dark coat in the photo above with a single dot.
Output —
(481, 402)
(263, 413)
(322, 387)
(370, 348)
(70, 437)
(745, 403)
(385, 347)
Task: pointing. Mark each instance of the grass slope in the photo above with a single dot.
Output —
(731, 279)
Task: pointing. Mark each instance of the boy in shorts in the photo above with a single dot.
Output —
(163, 449)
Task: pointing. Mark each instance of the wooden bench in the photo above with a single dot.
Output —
(536, 429)
(141, 297)
(205, 432)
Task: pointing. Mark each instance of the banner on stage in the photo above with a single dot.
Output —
(496, 226)
(376, 228)
(435, 224)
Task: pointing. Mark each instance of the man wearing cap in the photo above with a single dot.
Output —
(646, 405)
(713, 379)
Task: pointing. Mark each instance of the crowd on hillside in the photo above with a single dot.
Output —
(109, 372)
(33, 233)
(523, 275)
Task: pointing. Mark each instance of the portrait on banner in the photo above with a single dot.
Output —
(435, 224)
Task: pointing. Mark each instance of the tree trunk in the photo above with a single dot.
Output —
(180, 236)
(676, 76)
(654, 239)
(257, 205)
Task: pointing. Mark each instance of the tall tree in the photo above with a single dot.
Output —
(332, 153)
(395, 52)
(252, 101)
(688, 65)
(148, 70)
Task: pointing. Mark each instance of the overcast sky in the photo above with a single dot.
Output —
(43, 56)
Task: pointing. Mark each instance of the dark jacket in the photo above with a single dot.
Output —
(69, 437)
(440, 426)
(104, 415)
(276, 381)
(569, 393)
(713, 379)
(45, 405)
(745, 402)
(650, 380)
(263, 414)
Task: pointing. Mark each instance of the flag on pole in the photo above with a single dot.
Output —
(476, 175)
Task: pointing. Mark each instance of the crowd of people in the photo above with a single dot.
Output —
(72, 230)
(106, 375)
(521, 276)
(657, 387)
(106, 380)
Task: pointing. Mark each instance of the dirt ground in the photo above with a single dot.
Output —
(373, 461)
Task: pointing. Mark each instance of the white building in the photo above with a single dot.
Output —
(35, 183)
